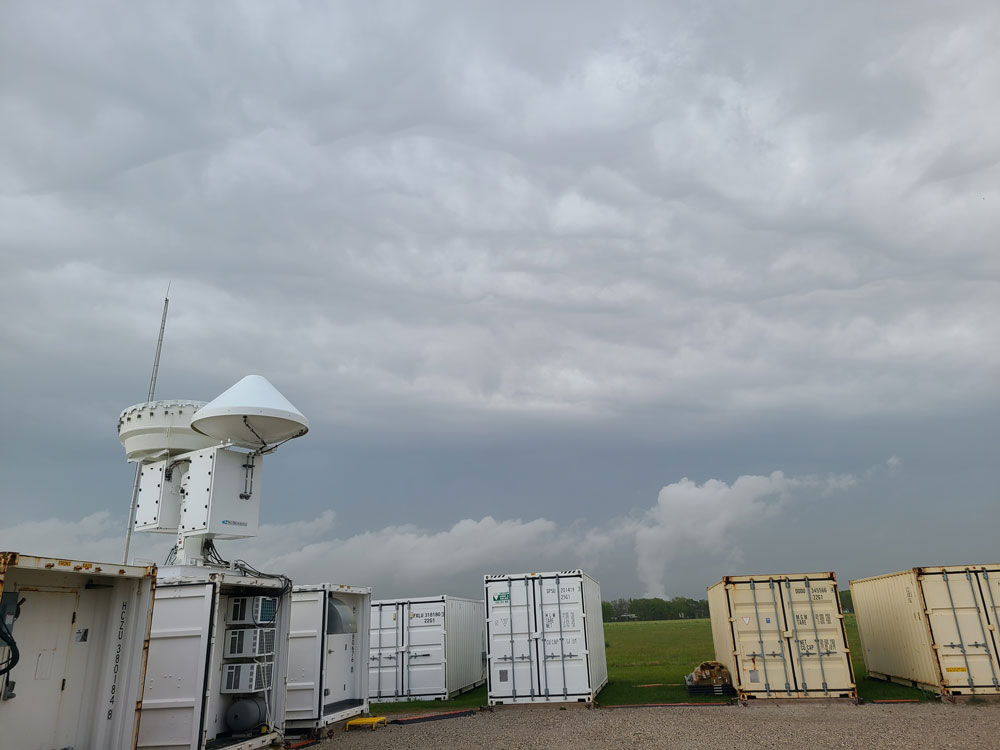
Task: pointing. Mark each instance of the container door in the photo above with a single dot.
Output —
(989, 585)
(44, 633)
(959, 608)
(513, 667)
(385, 678)
(762, 655)
(424, 670)
(558, 631)
(305, 646)
(343, 644)
(817, 642)
(174, 694)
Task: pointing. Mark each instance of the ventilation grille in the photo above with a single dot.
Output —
(248, 642)
(246, 678)
(251, 610)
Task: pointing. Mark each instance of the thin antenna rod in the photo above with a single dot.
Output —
(138, 464)
(159, 344)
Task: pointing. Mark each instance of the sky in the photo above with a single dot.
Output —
(663, 291)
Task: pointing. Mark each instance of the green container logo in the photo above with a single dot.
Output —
(503, 596)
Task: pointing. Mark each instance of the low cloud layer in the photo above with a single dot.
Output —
(707, 519)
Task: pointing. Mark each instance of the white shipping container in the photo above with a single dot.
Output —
(195, 695)
(782, 636)
(426, 649)
(934, 628)
(80, 630)
(545, 635)
(327, 655)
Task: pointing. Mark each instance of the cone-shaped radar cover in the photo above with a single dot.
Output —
(252, 414)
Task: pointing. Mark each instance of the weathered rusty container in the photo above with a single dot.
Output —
(782, 636)
(73, 648)
(934, 628)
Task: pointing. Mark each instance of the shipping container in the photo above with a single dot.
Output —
(426, 648)
(782, 636)
(76, 632)
(327, 655)
(934, 628)
(196, 696)
(545, 638)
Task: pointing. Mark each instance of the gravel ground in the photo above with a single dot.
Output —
(813, 727)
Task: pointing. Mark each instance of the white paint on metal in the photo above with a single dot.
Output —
(428, 648)
(545, 634)
(327, 655)
(185, 702)
(81, 634)
(222, 494)
(155, 430)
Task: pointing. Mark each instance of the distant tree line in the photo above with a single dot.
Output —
(678, 608)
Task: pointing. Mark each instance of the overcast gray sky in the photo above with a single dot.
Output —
(666, 291)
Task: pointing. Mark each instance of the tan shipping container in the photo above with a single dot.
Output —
(934, 628)
(782, 636)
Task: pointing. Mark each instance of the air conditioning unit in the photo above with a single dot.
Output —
(246, 678)
(248, 642)
(251, 610)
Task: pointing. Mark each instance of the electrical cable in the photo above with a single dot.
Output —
(8, 638)
(286, 587)
(15, 656)
(213, 555)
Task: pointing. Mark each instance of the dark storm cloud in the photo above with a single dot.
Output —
(468, 236)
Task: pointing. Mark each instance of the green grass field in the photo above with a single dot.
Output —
(642, 653)
(660, 653)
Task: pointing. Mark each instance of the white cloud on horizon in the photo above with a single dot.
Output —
(708, 519)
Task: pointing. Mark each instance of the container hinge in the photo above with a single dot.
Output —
(73, 620)
(63, 684)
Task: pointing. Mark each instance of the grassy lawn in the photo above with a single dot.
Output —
(871, 690)
(658, 652)
(661, 653)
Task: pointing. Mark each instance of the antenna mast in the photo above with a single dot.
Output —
(152, 389)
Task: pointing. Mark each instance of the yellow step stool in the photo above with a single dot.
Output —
(365, 721)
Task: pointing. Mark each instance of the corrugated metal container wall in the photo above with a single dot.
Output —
(933, 628)
(545, 636)
(466, 643)
(429, 648)
(218, 660)
(81, 630)
(782, 636)
(327, 655)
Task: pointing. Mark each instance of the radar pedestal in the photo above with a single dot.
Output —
(200, 464)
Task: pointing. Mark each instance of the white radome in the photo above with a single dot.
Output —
(250, 413)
